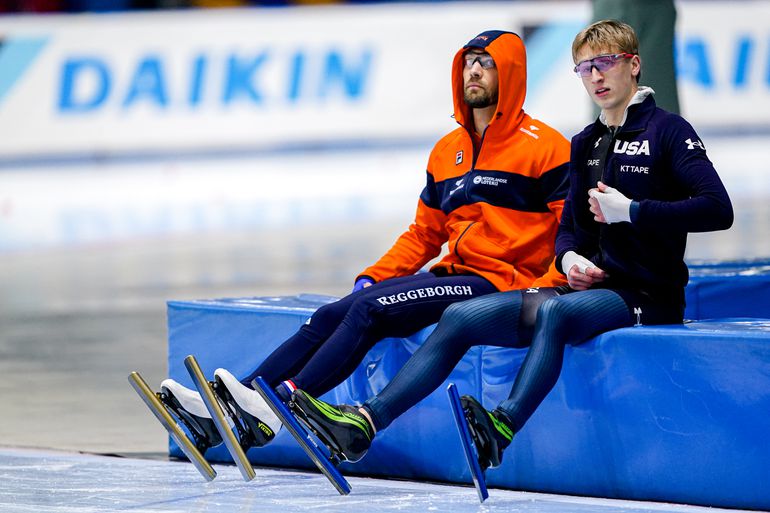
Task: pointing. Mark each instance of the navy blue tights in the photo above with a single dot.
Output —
(326, 350)
(508, 319)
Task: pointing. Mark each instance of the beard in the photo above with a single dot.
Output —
(476, 100)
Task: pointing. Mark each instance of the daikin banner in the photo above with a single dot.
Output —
(252, 79)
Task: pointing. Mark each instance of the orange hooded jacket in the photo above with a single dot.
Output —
(497, 207)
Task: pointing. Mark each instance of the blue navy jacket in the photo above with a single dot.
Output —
(657, 160)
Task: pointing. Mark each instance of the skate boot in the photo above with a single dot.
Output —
(489, 430)
(258, 424)
(343, 429)
(188, 408)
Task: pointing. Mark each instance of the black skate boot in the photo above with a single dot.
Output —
(254, 421)
(491, 433)
(344, 430)
(187, 407)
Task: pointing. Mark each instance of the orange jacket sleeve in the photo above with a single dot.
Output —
(414, 248)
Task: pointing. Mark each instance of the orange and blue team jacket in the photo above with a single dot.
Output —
(496, 203)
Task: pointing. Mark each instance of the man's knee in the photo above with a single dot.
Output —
(460, 316)
(555, 313)
(328, 316)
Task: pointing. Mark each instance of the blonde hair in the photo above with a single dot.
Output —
(610, 35)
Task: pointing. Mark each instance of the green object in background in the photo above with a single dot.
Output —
(654, 22)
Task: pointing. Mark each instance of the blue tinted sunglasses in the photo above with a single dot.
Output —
(485, 60)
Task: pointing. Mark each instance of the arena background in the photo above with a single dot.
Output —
(182, 154)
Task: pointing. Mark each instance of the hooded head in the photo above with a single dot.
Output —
(507, 50)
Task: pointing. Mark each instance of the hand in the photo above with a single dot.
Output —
(609, 205)
(362, 283)
(581, 272)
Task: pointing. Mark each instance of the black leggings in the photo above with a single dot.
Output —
(545, 319)
(329, 347)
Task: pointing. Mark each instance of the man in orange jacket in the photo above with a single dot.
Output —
(494, 194)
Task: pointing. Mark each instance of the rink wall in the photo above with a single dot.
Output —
(667, 413)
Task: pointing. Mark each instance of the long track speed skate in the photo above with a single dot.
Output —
(327, 464)
(469, 447)
(225, 413)
(171, 415)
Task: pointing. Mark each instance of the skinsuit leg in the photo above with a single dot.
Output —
(327, 350)
(506, 319)
(569, 319)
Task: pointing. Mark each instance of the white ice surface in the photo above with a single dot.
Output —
(55, 482)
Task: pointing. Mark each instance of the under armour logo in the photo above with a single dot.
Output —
(691, 145)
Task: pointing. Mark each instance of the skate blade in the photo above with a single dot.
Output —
(220, 419)
(164, 417)
(469, 448)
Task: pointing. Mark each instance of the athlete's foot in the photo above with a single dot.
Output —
(250, 408)
(189, 408)
(490, 431)
(342, 427)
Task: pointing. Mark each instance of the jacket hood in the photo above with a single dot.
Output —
(507, 49)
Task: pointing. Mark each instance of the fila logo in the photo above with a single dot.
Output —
(459, 158)
(632, 148)
(692, 144)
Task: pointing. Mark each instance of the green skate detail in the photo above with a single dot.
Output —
(501, 427)
(266, 429)
(337, 416)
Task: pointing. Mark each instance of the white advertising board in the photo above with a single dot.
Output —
(251, 78)
(257, 78)
(123, 126)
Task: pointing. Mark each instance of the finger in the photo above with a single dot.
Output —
(595, 272)
(578, 284)
(578, 277)
(597, 278)
(578, 268)
(579, 281)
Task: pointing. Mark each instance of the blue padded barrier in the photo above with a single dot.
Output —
(728, 289)
(668, 413)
